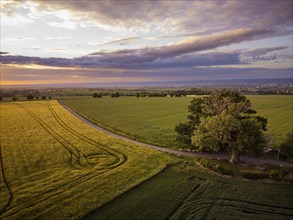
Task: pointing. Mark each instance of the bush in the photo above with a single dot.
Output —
(219, 168)
(284, 171)
(43, 97)
(224, 170)
(253, 174)
(14, 98)
(206, 163)
(274, 174)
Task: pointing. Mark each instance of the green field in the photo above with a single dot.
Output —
(185, 192)
(53, 166)
(153, 120)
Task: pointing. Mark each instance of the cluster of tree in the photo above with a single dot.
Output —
(32, 97)
(162, 94)
(29, 97)
(178, 93)
(223, 121)
(193, 91)
(115, 95)
(96, 95)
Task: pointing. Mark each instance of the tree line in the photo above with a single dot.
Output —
(28, 97)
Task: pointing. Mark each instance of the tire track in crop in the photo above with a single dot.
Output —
(107, 169)
(206, 204)
(76, 154)
(65, 187)
(198, 205)
(197, 188)
(6, 184)
(86, 139)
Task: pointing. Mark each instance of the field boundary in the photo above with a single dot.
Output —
(173, 151)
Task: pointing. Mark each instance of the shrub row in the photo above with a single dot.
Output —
(216, 166)
(224, 167)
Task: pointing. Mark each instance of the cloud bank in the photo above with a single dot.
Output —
(108, 38)
(190, 45)
(171, 16)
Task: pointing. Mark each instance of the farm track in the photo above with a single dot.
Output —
(85, 138)
(76, 163)
(173, 151)
(6, 185)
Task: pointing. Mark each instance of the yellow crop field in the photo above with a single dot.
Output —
(55, 166)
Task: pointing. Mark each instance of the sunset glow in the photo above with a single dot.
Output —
(133, 41)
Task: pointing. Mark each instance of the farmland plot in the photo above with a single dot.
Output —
(153, 120)
(55, 166)
(185, 191)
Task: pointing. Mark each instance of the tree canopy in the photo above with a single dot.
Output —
(29, 97)
(96, 95)
(223, 121)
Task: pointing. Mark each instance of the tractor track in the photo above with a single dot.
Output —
(6, 206)
(74, 152)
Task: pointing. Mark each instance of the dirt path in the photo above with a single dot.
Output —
(243, 158)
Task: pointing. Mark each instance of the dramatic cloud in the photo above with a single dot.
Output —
(186, 53)
(190, 45)
(148, 15)
(262, 51)
(121, 41)
(145, 39)
(263, 54)
(179, 15)
(208, 59)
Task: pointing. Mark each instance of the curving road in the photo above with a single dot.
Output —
(244, 158)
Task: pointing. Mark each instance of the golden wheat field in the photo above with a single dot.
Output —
(55, 166)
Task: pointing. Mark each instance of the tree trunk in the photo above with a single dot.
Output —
(235, 157)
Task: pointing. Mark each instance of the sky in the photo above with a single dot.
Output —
(96, 41)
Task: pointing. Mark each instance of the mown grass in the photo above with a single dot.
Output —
(153, 120)
(279, 111)
(53, 166)
(184, 191)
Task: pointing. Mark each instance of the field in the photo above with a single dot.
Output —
(183, 191)
(53, 166)
(153, 120)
